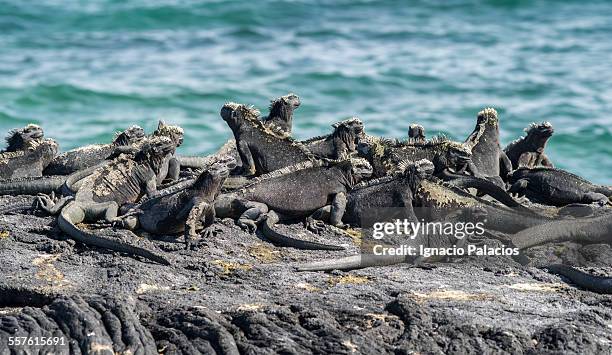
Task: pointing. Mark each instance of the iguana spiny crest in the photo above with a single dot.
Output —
(359, 167)
(546, 127)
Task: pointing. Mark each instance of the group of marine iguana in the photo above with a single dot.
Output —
(265, 176)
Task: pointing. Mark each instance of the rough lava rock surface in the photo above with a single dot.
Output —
(236, 293)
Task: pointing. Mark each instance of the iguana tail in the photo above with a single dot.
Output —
(286, 241)
(72, 184)
(32, 186)
(66, 224)
(487, 187)
(589, 282)
(352, 262)
(582, 230)
(196, 162)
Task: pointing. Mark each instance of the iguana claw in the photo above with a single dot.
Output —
(314, 225)
(247, 225)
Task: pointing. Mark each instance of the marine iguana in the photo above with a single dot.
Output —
(101, 194)
(21, 139)
(90, 155)
(442, 200)
(28, 162)
(416, 132)
(450, 158)
(589, 282)
(557, 187)
(528, 151)
(182, 210)
(294, 192)
(487, 154)
(279, 118)
(589, 230)
(170, 167)
(397, 191)
(281, 112)
(343, 141)
(262, 149)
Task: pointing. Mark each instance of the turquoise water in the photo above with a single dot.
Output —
(83, 69)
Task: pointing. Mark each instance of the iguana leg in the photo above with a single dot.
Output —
(255, 211)
(519, 186)
(151, 186)
(207, 221)
(544, 161)
(322, 213)
(406, 198)
(174, 169)
(471, 168)
(337, 210)
(200, 207)
(524, 161)
(595, 197)
(504, 163)
(248, 164)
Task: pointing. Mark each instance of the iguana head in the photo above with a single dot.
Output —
(21, 138)
(175, 133)
(284, 104)
(538, 134)
(487, 129)
(233, 113)
(414, 172)
(133, 134)
(456, 156)
(360, 169)
(350, 131)
(154, 150)
(212, 179)
(416, 131)
(488, 116)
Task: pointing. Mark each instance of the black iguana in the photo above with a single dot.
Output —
(450, 158)
(342, 142)
(90, 155)
(281, 112)
(123, 180)
(170, 167)
(279, 118)
(528, 151)
(294, 193)
(590, 230)
(557, 187)
(416, 132)
(262, 149)
(181, 210)
(487, 154)
(398, 191)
